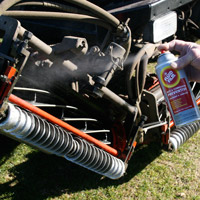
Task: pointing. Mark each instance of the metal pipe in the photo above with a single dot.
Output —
(118, 100)
(20, 102)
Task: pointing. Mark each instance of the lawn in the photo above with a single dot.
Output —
(153, 173)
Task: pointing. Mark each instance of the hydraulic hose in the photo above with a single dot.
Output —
(54, 5)
(141, 71)
(58, 15)
(97, 11)
(148, 49)
(20, 102)
(128, 43)
(107, 18)
(139, 60)
(6, 4)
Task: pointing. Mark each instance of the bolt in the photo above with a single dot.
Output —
(27, 35)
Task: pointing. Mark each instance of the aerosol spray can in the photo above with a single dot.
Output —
(177, 91)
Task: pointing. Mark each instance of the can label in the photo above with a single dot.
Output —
(177, 90)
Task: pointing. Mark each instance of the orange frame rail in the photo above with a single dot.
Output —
(24, 104)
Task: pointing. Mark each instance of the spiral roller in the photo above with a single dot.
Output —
(182, 134)
(33, 130)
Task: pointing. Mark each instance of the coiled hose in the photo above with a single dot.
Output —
(31, 129)
(182, 134)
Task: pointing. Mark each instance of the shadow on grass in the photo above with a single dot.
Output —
(44, 176)
(7, 146)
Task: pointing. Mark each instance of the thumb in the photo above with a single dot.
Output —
(181, 62)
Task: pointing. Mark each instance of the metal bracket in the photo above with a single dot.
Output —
(13, 56)
(133, 141)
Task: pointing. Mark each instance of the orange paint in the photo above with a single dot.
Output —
(134, 144)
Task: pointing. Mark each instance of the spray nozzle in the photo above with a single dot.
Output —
(162, 51)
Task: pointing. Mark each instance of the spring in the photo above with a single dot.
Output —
(37, 132)
(182, 134)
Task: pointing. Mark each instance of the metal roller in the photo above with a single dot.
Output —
(182, 134)
(31, 129)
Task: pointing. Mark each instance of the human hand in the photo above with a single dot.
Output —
(189, 57)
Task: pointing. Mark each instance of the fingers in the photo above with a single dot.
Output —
(164, 46)
(181, 62)
(189, 57)
(174, 45)
(184, 48)
(193, 74)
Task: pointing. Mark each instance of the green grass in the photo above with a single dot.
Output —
(153, 173)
